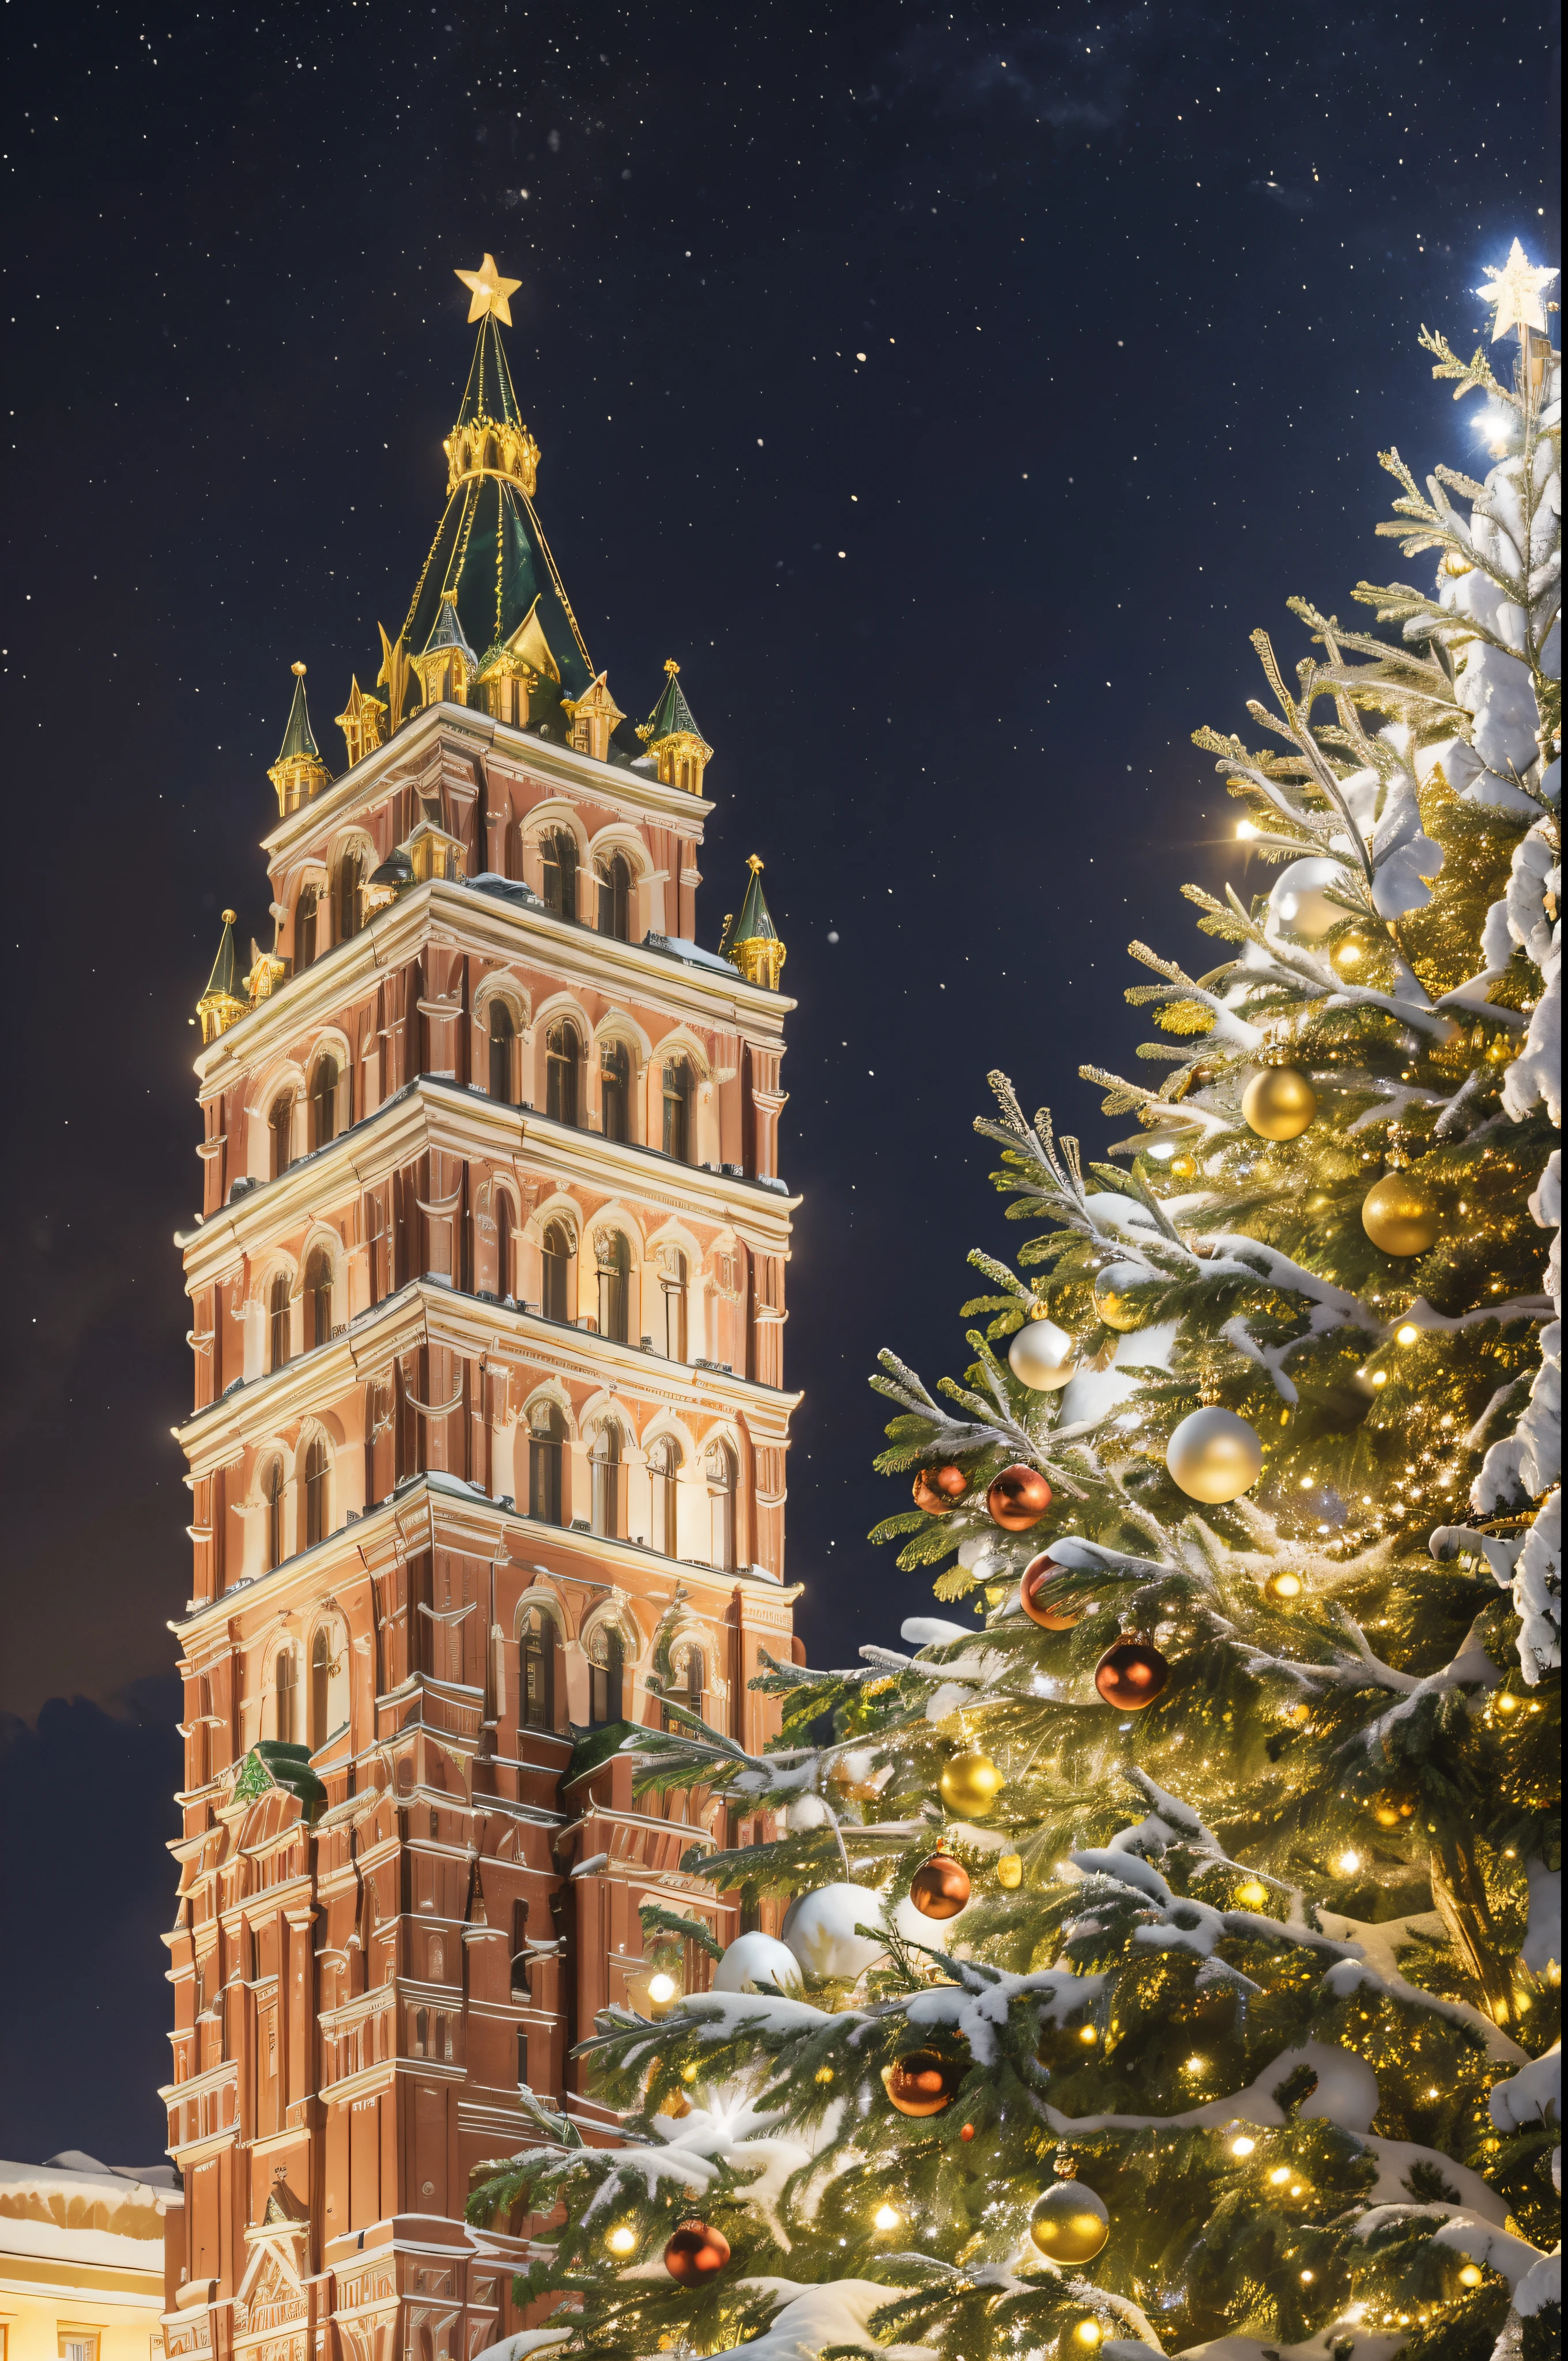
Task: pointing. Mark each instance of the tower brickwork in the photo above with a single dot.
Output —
(486, 1457)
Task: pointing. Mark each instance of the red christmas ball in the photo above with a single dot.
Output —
(940, 1886)
(1034, 1598)
(936, 1489)
(1131, 1674)
(966, 2132)
(1018, 1498)
(920, 2083)
(696, 2252)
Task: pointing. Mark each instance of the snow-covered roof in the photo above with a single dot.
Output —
(75, 2210)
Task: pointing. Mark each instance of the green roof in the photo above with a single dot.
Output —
(446, 632)
(671, 714)
(298, 737)
(489, 392)
(223, 982)
(756, 920)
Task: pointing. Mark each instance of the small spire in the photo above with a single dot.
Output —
(446, 664)
(221, 1004)
(753, 944)
(362, 722)
(671, 734)
(299, 773)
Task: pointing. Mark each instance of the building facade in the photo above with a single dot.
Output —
(488, 1452)
(82, 2258)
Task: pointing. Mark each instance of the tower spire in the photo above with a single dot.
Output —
(299, 773)
(672, 736)
(221, 1004)
(752, 942)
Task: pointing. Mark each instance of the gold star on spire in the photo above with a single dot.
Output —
(1516, 290)
(488, 292)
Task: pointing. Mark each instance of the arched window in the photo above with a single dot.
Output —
(285, 1694)
(546, 1447)
(677, 1109)
(614, 1256)
(555, 1271)
(304, 927)
(691, 1689)
(563, 1055)
(318, 1298)
(277, 1321)
(673, 1286)
(324, 1098)
(538, 1671)
(318, 1475)
(663, 1467)
(615, 1089)
(272, 1501)
(503, 1244)
(321, 1676)
(608, 1475)
(607, 1660)
(720, 1465)
(558, 852)
(503, 1034)
(350, 871)
(615, 897)
(281, 1125)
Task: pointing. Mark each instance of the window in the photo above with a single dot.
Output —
(605, 1465)
(606, 1659)
(503, 1033)
(324, 1098)
(555, 1271)
(318, 1474)
(677, 1109)
(615, 897)
(546, 1443)
(285, 1692)
(277, 1321)
(281, 1125)
(558, 852)
(321, 1676)
(561, 1058)
(664, 1465)
(78, 2344)
(689, 1685)
(503, 1244)
(421, 2031)
(614, 1258)
(272, 1499)
(673, 1285)
(305, 929)
(615, 1089)
(721, 1502)
(538, 1674)
(519, 1962)
(318, 1298)
(350, 870)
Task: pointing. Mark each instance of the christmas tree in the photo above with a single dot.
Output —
(1173, 1960)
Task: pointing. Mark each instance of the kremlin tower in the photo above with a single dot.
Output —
(486, 1461)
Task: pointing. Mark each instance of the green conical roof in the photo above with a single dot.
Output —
(223, 983)
(755, 923)
(446, 632)
(298, 737)
(671, 714)
(489, 392)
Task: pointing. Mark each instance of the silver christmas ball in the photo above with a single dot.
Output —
(1041, 1355)
(1298, 903)
(1214, 1456)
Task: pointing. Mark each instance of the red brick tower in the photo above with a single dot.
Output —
(487, 1446)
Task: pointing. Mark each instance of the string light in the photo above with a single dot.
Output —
(887, 2217)
(661, 1990)
(622, 2239)
(1242, 2146)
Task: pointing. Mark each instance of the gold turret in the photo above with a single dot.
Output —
(755, 947)
(594, 716)
(221, 1004)
(299, 773)
(672, 736)
(362, 722)
(447, 666)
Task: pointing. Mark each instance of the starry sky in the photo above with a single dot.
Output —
(951, 392)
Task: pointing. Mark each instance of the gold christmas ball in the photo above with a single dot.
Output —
(1399, 1216)
(921, 2082)
(1010, 1872)
(1214, 1456)
(1284, 1587)
(1279, 1102)
(970, 1783)
(1070, 2224)
(1113, 1297)
(1183, 1166)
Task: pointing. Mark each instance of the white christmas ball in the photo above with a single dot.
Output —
(757, 1958)
(820, 1929)
(1041, 1355)
(806, 1812)
(1214, 1456)
(1297, 902)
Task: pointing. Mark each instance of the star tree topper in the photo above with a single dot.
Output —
(1516, 290)
(488, 292)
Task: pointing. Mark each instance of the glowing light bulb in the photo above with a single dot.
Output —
(1306, 1482)
(622, 2240)
(1242, 2146)
(1194, 2066)
(1244, 828)
(1380, 1376)
(1252, 1895)
(661, 1988)
(1087, 2033)
(1307, 2277)
(1470, 2276)
(1088, 2334)
(887, 2217)
(1407, 1334)
(1348, 1863)
(1280, 2174)
(1507, 1703)
(688, 2074)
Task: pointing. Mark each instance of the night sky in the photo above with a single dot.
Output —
(950, 393)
